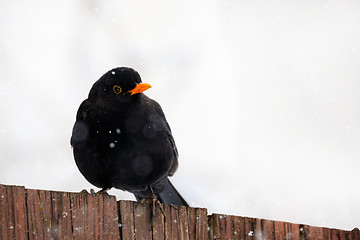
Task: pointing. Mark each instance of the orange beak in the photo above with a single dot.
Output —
(141, 87)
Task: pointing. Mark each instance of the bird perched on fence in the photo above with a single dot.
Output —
(121, 139)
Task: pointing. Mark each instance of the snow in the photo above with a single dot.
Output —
(264, 115)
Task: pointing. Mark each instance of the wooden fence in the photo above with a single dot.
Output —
(39, 214)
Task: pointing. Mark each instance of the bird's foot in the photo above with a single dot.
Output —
(84, 191)
(104, 191)
(92, 191)
(145, 200)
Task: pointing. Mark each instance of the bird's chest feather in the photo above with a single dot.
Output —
(127, 133)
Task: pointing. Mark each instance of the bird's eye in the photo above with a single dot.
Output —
(117, 89)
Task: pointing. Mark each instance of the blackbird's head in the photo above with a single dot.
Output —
(119, 85)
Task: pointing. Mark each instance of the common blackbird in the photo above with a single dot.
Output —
(121, 139)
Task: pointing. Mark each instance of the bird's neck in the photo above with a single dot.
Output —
(125, 104)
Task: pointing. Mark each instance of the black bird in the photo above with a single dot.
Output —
(121, 139)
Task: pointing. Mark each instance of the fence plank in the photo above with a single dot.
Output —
(159, 232)
(355, 234)
(49, 215)
(60, 215)
(127, 220)
(238, 227)
(143, 221)
(183, 223)
(201, 224)
(13, 219)
(268, 229)
(38, 214)
(313, 232)
(292, 231)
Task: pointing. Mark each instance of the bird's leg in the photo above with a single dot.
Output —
(92, 191)
(145, 200)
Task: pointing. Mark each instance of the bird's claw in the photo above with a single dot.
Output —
(92, 191)
(84, 191)
(103, 191)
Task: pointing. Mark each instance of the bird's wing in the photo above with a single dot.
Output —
(175, 163)
(81, 129)
(176, 154)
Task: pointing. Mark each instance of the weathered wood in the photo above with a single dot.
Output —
(94, 216)
(59, 215)
(268, 229)
(292, 231)
(219, 229)
(38, 214)
(355, 234)
(13, 219)
(48, 214)
(158, 231)
(126, 213)
(167, 222)
(201, 224)
(143, 220)
(234, 227)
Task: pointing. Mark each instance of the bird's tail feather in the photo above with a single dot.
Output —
(171, 196)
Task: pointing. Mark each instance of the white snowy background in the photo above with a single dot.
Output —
(263, 97)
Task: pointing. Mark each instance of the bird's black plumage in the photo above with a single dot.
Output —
(121, 139)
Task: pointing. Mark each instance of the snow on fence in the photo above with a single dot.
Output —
(39, 214)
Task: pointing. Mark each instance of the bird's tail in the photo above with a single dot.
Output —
(168, 195)
(171, 196)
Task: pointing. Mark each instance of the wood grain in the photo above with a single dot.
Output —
(39, 214)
